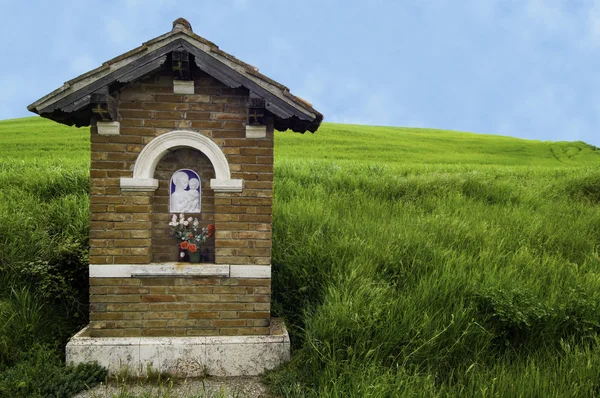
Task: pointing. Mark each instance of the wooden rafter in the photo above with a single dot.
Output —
(103, 105)
(113, 77)
(234, 79)
(180, 63)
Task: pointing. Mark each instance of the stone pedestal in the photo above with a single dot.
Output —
(184, 356)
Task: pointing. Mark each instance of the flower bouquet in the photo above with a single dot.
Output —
(190, 236)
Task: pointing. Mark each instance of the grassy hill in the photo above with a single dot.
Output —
(410, 146)
(35, 138)
(407, 262)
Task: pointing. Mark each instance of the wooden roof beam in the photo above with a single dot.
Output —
(103, 105)
(180, 64)
(126, 73)
(234, 79)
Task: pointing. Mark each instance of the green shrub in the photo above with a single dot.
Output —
(62, 279)
(586, 188)
(24, 322)
(520, 319)
(41, 373)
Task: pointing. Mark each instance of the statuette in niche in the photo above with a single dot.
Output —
(185, 192)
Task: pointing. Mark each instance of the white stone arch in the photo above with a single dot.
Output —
(146, 162)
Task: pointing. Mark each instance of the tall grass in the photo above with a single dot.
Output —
(473, 280)
(417, 263)
(406, 262)
(43, 257)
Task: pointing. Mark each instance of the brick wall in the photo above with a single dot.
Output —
(131, 227)
(179, 306)
(146, 110)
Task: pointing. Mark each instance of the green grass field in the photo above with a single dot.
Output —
(407, 262)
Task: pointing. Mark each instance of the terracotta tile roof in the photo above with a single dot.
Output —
(182, 29)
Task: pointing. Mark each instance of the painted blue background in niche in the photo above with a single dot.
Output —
(189, 197)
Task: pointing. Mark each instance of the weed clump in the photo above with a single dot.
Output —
(41, 373)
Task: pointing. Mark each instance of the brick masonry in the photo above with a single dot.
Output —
(132, 307)
(131, 227)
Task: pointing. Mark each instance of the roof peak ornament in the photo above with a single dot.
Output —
(182, 24)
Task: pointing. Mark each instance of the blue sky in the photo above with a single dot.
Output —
(524, 68)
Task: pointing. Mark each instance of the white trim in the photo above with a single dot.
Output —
(256, 131)
(157, 269)
(178, 270)
(183, 86)
(148, 159)
(250, 271)
(108, 128)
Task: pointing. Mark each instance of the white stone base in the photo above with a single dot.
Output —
(184, 356)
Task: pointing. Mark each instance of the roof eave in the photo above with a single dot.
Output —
(295, 106)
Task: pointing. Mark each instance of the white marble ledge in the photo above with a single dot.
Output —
(175, 269)
(278, 334)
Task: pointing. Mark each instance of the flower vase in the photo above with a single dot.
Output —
(183, 256)
(194, 257)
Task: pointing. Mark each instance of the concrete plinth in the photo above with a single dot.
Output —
(184, 356)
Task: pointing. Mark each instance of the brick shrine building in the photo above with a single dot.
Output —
(179, 104)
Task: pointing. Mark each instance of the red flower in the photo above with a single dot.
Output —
(191, 236)
(184, 245)
(211, 230)
(192, 248)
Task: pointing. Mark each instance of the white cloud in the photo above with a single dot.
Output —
(16, 90)
(280, 44)
(315, 85)
(546, 113)
(240, 5)
(518, 67)
(117, 32)
(82, 63)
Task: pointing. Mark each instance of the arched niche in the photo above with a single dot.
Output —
(163, 245)
(145, 165)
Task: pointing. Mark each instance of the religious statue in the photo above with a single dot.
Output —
(185, 192)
